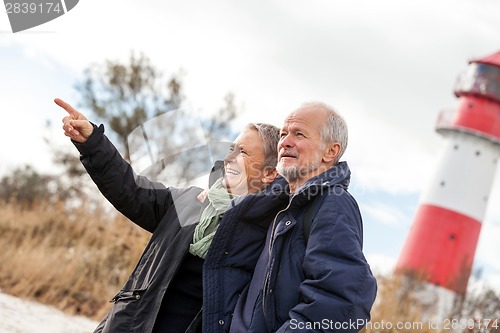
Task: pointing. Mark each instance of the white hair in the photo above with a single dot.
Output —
(335, 128)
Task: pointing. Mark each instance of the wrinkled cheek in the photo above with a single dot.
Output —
(255, 181)
(237, 185)
(254, 184)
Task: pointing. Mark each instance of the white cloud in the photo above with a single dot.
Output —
(389, 67)
(385, 213)
(381, 264)
(489, 246)
(386, 158)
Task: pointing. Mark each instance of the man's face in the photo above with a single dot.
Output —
(244, 164)
(300, 155)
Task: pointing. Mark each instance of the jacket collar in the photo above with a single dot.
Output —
(267, 201)
(278, 187)
(338, 175)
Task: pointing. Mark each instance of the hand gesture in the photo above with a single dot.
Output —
(75, 126)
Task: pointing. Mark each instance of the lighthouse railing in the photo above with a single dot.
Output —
(448, 120)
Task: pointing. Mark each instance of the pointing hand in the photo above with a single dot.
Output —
(75, 125)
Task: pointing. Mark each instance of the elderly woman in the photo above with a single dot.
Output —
(164, 293)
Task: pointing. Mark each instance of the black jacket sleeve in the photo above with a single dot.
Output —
(141, 200)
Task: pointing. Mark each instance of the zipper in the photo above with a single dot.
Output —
(271, 260)
(271, 243)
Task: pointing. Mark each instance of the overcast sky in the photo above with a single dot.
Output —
(388, 66)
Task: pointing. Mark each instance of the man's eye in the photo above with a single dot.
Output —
(300, 134)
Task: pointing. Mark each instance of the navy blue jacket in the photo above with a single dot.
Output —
(234, 252)
(326, 286)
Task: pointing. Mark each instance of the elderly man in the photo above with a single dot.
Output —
(164, 292)
(311, 275)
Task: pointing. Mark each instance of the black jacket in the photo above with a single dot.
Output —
(170, 214)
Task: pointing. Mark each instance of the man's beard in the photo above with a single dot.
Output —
(296, 172)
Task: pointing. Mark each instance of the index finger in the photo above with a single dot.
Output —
(66, 106)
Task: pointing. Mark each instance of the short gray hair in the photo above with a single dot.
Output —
(270, 134)
(335, 128)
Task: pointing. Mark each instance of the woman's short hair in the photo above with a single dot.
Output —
(270, 134)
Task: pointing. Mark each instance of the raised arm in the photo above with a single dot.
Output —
(142, 201)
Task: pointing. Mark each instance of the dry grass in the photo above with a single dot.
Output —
(396, 308)
(73, 260)
(78, 259)
(404, 304)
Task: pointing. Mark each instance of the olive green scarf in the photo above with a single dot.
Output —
(219, 201)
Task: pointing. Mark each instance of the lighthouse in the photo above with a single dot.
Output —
(442, 241)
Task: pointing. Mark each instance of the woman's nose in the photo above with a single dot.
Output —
(230, 156)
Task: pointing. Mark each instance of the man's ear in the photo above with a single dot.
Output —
(269, 175)
(331, 152)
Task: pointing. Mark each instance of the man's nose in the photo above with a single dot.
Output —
(285, 142)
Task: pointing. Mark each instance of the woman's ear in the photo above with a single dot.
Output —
(269, 175)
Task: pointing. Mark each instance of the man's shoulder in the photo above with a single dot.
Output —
(337, 199)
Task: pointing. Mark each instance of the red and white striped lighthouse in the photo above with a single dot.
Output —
(442, 241)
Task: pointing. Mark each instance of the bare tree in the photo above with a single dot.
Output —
(143, 114)
(125, 95)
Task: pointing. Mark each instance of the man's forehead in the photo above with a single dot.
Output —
(304, 116)
(294, 118)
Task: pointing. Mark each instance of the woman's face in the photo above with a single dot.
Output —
(244, 164)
